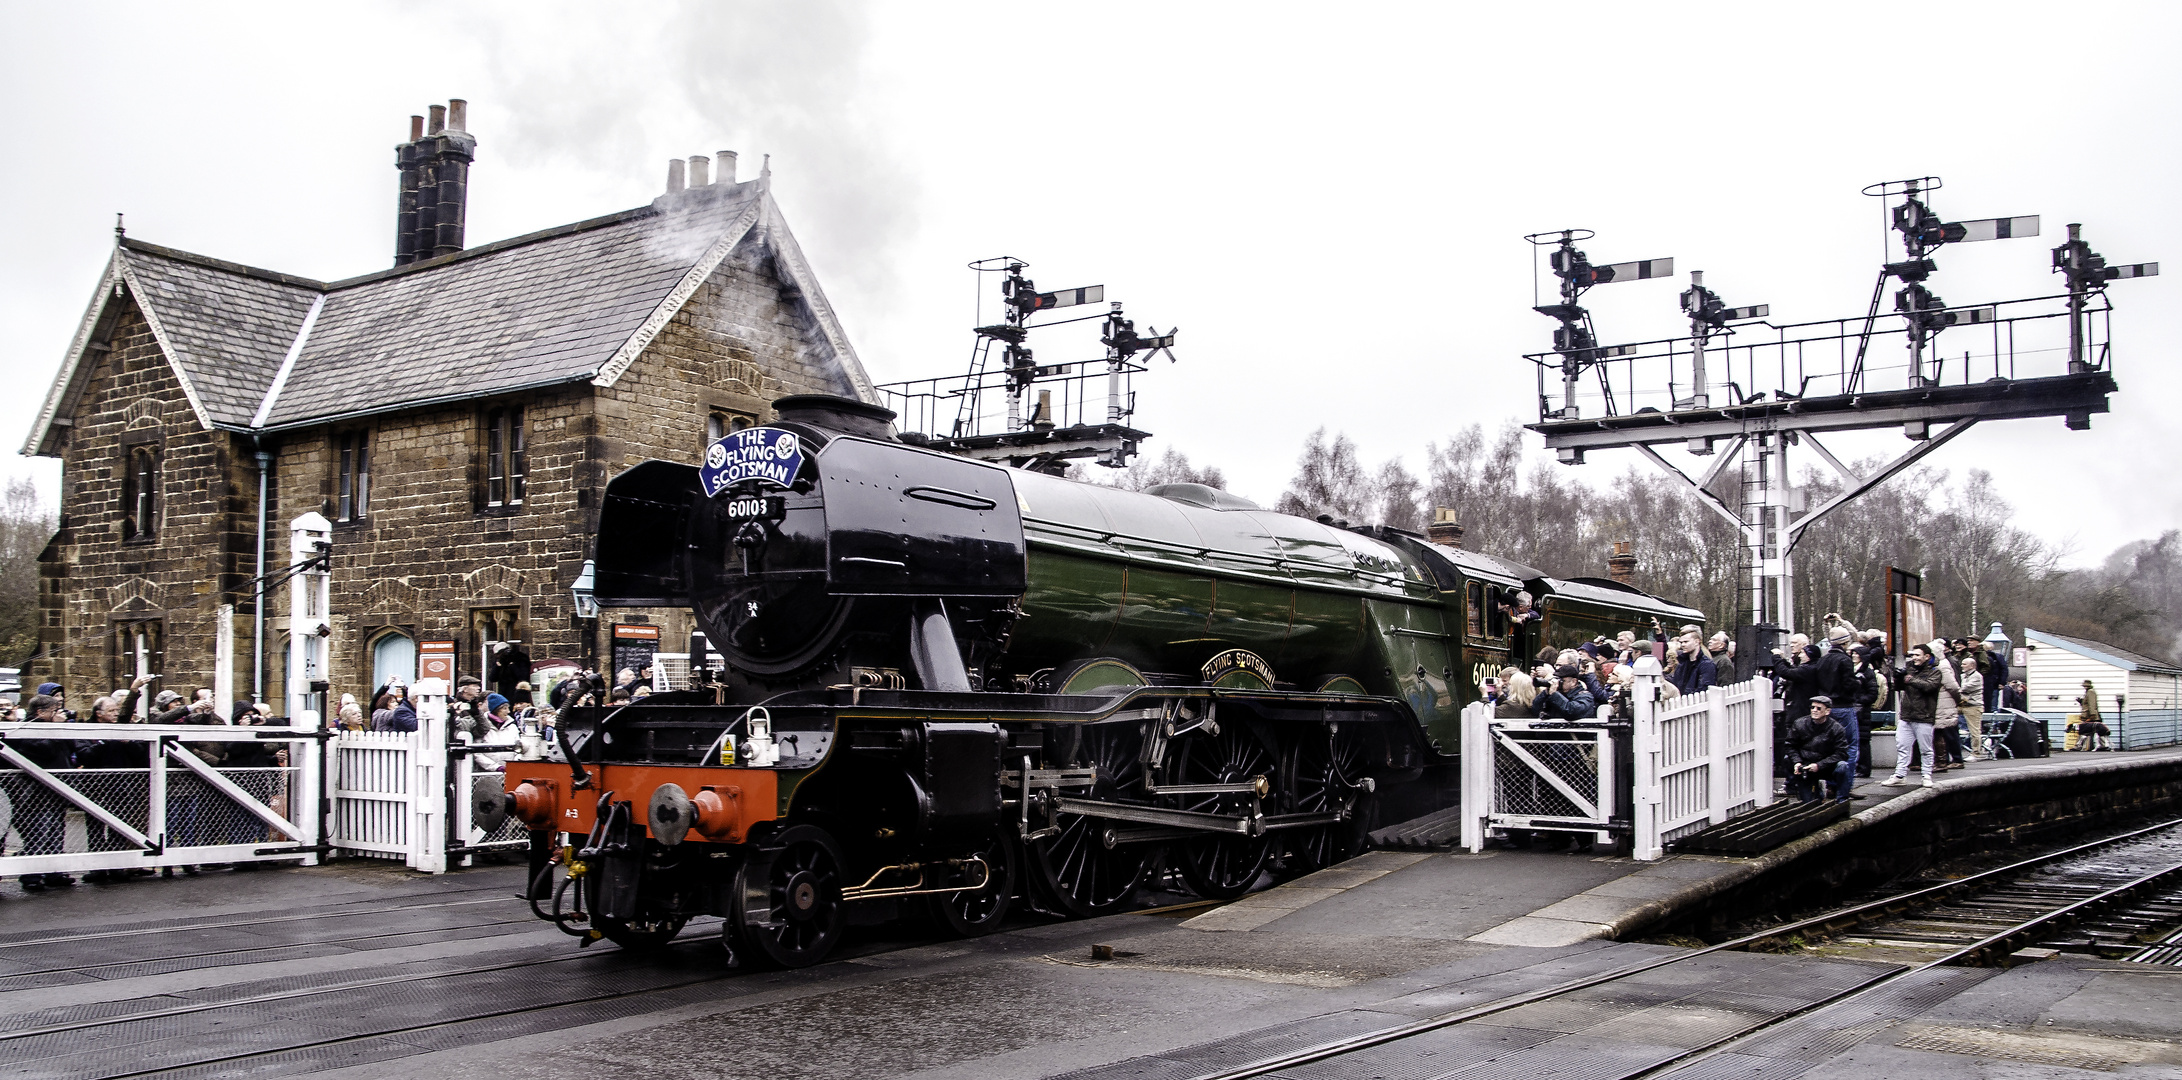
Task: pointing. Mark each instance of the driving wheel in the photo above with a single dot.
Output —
(1325, 772)
(1221, 866)
(1080, 869)
(787, 902)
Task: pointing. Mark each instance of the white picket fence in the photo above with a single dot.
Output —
(406, 795)
(1700, 758)
(1696, 760)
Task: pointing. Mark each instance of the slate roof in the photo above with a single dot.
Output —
(562, 305)
(2099, 650)
(227, 329)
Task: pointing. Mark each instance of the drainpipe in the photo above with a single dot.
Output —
(257, 603)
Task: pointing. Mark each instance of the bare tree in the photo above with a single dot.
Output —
(1172, 467)
(26, 525)
(1329, 482)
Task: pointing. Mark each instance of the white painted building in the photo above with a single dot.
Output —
(2140, 697)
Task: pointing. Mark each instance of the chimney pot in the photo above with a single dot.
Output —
(1444, 529)
(458, 114)
(674, 175)
(439, 120)
(700, 170)
(725, 159)
(1621, 565)
(416, 128)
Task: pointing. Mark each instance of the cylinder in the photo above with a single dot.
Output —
(439, 120)
(700, 170)
(725, 159)
(674, 175)
(458, 114)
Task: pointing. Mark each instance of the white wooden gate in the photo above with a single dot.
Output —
(1700, 758)
(1548, 775)
(173, 810)
(407, 794)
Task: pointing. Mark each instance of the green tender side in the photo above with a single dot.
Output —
(1167, 585)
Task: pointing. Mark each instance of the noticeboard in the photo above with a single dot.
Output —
(436, 660)
(634, 646)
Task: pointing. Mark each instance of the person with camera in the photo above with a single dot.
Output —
(1818, 753)
(466, 711)
(1568, 699)
(1922, 683)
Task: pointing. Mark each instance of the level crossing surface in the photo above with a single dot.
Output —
(362, 969)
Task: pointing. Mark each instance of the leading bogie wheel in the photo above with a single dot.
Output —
(787, 902)
(981, 911)
(1222, 866)
(1081, 870)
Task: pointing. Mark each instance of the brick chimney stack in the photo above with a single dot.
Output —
(1444, 529)
(1621, 565)
(435, 186)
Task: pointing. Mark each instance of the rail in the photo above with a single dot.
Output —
(1786, 361)
(1980, 951)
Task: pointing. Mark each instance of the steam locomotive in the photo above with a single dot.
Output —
(951, 684)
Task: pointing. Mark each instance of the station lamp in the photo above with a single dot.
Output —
(1998, 642)
(584, 592)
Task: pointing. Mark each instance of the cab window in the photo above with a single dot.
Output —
(1477, 608)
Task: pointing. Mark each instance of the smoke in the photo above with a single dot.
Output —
(614, 92)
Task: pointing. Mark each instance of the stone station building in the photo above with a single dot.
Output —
(456, 418)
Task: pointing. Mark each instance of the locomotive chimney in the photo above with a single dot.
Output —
(1621, 565)
(1444, 529)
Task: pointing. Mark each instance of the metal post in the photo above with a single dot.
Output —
(2075, 300)
(1645, 797)
(310, 596)
(257, 598)
(428, 772)
(1699, 331)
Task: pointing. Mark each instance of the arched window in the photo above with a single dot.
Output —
(140, 493)
(393, 656)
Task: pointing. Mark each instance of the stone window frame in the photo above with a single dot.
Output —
(121, 652)
(503, 452)
(146, 445)
(368, 646)
(342, 442)
(722, 419)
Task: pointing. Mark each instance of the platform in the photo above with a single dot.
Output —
(1551, 899)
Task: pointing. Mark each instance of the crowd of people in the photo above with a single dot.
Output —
(39, 814)
(1829, 685)
(1940, 695)
(1597, 677)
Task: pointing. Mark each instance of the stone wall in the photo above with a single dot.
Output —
(427, 556)
(199, 554)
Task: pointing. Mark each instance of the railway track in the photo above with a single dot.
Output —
(2103, 897)
(2088, 896)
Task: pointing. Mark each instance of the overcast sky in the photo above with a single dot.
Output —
(1329, 199)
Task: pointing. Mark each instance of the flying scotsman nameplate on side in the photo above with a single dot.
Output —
(769, 456)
